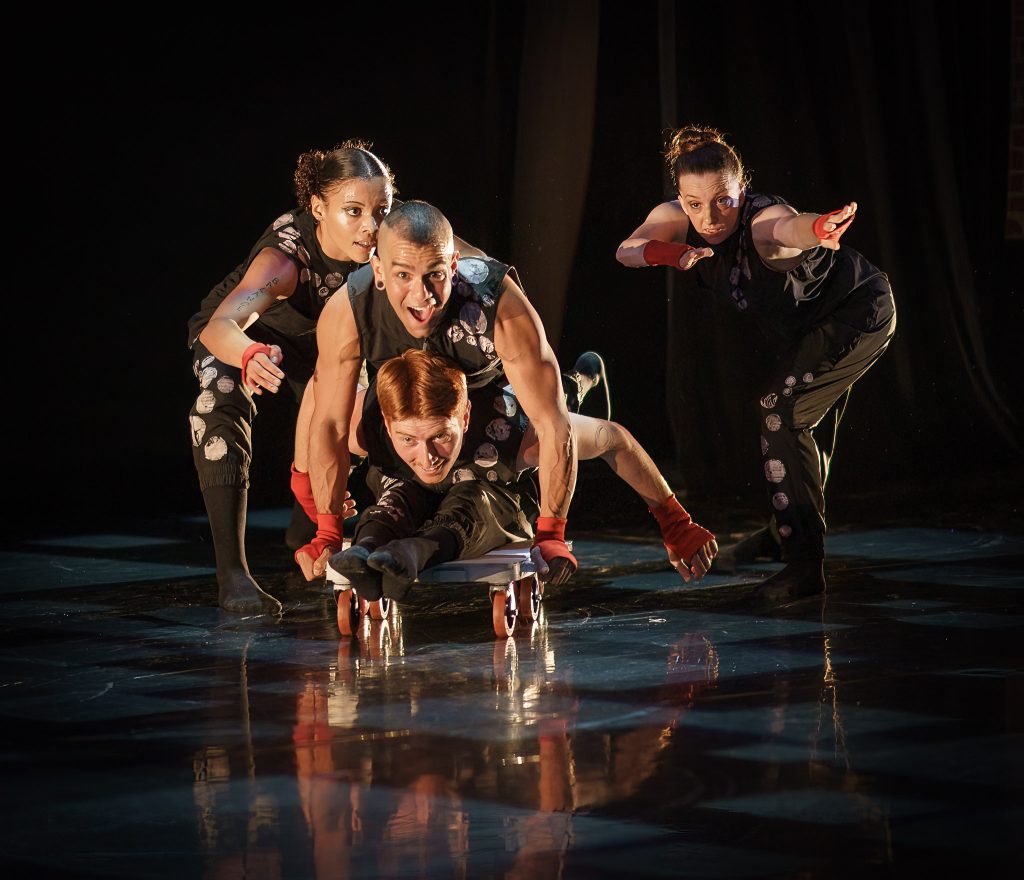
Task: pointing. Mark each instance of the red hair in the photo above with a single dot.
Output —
(420, 385)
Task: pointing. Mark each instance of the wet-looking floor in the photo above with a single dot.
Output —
(640, 728)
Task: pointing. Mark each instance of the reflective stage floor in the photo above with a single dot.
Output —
(640, 729)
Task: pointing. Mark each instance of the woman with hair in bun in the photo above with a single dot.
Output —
(257, 329)
(825, 311)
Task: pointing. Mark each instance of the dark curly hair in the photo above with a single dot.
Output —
(317, 171)
(698, 149)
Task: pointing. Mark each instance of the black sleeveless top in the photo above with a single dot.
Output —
(785, 305)
(294, 234)
(464, 335)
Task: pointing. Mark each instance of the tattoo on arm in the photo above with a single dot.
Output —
(245, 303)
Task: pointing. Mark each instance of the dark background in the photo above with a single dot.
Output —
(149, 158)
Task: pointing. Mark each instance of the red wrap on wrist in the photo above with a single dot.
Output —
(328, 537)
(549, 538)
(247, 355)
(819, 226)
(665, 253)
(303, 492)
(680, 533)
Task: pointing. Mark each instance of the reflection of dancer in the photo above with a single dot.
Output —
(827, 311)
(256, 329)
(448, 468)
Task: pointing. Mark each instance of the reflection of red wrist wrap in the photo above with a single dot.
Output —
(664, 253)
(303, 492)
(834, 235)
(680, 533)
(248, 355)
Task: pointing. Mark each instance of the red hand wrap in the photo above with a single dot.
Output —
(328, 534)
(823, 234)
(550, 538)
(681, 534)
(247, 355)
(664, 253)
(303, 492)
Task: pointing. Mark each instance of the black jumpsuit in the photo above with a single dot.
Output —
(826, 322)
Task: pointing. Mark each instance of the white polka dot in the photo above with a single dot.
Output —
(324, 291)
(304, 275)
(334, 279)
(780, 501)
(764, 446)
(207, 376)
(206, 402)
(774, 470)
(485, 456)
(498, 430)
(198, 427)
(773, 422)
(472, 270)
(303, 255)
(225, 384)
(284, 220)
(216, 448)
(808, 377)
(207, 361)
(790, 381)
(785, 531)
(787, 392)
(769, 400)
(463, 475)
(492, 476)
(506, 405)
(472, 318)
(287, 245)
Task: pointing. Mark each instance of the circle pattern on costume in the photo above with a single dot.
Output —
(304, 275)
(206, 402)
(498, 430)
(787, 392)
(207, 361)
(303, 255)
(764, 446)
(790, 381)
(198, 429)
(473, 319)
(761, 202)
(773, 422)
(486, 455)
(471, 339)
(808, 377)
(780, 501)
(486, 300)
(207, 376)
(316, 280)
(455, 333)
(216, 448)
(486, 346)
(225, 384)
(324, 291)
(473, 270)
(334, 279)
(492, 476)
(463, 475)
(288, 246)
(283, 220)
(785, 531)
(505, 404)
(769, 400)
(774, 470)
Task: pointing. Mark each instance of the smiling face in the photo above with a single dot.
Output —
(416, 277)
(349, 215)
(429, 446)
(712, 201)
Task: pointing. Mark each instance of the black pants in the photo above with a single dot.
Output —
(222, 416)
(481, 515)
(800, 410)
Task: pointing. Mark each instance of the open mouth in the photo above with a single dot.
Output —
(433, 470)
(422, 316)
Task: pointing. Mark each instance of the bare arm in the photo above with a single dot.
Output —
(781, 234)
(666, 223)
(335, 380)
(269, 278)
(533, 372)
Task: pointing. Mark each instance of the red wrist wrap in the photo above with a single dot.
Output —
(819, 226)
(664, 253)
(251, 352)
(328, 528)
(303, 492)
(680, 533)
(550, 528)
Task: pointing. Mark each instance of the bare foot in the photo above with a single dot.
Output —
(238, 592)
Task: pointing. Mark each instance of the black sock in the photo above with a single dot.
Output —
(225, 507)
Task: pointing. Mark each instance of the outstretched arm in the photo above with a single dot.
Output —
(690, 547)
(781, 233)
(269, 278)
(661, 241)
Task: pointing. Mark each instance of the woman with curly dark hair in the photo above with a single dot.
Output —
(257, 329)
(827, 313)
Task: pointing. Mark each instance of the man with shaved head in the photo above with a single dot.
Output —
(417, 293)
